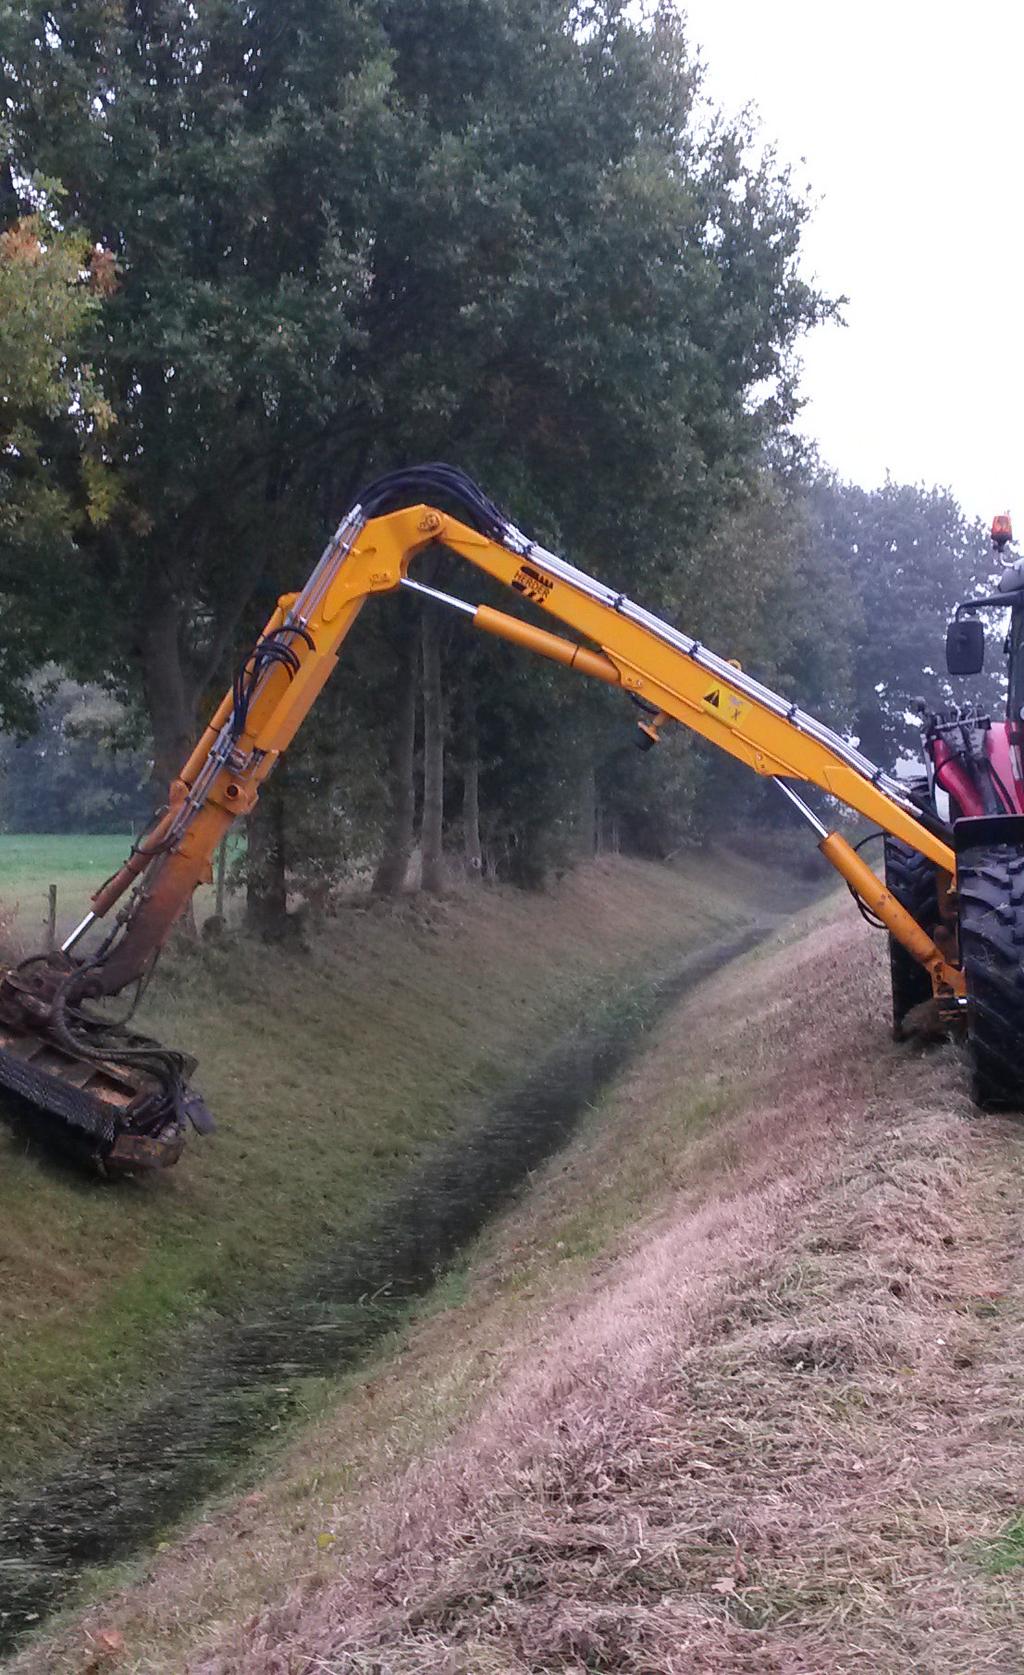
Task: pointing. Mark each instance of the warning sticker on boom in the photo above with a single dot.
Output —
(725, 705)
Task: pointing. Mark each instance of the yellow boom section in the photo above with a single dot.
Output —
(681, 678)
(637, 651)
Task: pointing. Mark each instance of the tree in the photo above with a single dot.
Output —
(432, 821)
(393, 865)
(80, 770)
(472, 848)
(770, 592)
(219, 152)
(909, 554)
(54, 424)
(351, 233)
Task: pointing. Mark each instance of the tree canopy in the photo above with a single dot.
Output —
(349, 235)
(330, 238)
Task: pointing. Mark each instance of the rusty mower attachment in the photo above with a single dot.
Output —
(94, 1087)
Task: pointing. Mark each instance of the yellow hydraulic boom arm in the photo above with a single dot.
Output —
(671, 673)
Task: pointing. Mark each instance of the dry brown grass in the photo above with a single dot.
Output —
(765, 1431)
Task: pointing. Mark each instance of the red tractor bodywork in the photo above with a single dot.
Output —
(954, 775)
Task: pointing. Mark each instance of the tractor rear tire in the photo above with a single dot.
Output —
(913, 880)
(990, 888)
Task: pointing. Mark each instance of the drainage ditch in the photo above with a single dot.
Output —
(121, 1492)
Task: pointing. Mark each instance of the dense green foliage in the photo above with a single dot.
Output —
(54, 481)
(910, 554)
(352, 234)
(848, 595)
(349, 235)
(78, 771)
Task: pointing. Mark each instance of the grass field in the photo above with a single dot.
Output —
(328, 1071)
(77, 865)
(30, 863)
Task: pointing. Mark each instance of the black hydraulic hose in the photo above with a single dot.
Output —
(446, 484)
(269, 650)
(931, 821)
(1000, 786)
(163, 1063)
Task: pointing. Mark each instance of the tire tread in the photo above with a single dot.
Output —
(913, 880)
(991, 941)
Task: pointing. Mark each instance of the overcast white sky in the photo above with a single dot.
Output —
(907, 117)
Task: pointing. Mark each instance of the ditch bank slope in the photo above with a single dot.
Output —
(735, 1388)
(331, 1073)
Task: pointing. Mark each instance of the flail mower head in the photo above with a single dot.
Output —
(90, 1086)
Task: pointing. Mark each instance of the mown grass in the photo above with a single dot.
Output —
(329, 1072)
(407, 1397)
(697, 1388)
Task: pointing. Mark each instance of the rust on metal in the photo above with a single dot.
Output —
(113, 1109)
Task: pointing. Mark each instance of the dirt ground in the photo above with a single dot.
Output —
(736, 1387)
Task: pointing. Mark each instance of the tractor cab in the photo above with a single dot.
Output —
(965, 637)
(974, 759)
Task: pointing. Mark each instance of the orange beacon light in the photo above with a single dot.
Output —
(1002, 531)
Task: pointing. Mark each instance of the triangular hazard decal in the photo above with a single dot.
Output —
(714, 697)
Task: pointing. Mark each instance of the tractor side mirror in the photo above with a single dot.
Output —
(965, 646)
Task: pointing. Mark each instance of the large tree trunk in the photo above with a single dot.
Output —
(432, 826)
(266, 888)
(393, 866)
(470, 779)
(170, 701)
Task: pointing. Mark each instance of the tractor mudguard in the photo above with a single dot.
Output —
(983, 830)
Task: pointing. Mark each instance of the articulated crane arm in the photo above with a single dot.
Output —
(673, 677)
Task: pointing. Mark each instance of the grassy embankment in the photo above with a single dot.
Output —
(328, 1073)
(716, 1395)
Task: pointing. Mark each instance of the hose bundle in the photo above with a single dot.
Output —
(266, 652)
(437, 483)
